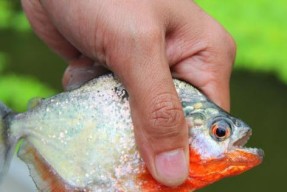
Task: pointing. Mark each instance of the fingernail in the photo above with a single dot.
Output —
(171, 166)
(75, 76)
(72, 86)
(78, 76)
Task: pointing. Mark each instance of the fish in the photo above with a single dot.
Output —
(83, 141)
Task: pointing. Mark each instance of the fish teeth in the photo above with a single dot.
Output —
(243, 140)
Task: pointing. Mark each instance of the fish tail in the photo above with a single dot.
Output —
(6, 146)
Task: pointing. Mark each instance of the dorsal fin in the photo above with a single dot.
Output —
(45, 178)
(32, 103)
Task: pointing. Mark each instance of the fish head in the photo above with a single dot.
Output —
(217, 142)
(216, 146)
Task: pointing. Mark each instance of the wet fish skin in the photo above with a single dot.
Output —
(85, 139)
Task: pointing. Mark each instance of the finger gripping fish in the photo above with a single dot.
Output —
(83, 140)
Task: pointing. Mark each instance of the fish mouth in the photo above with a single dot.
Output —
(240, 145)
(243, 140)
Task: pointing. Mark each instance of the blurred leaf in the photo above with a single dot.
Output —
(260, 30)
(5, 13)
(11, 17)
(16, 91)
(20, 22)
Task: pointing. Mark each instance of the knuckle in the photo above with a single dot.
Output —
(231, 45)
(166, 117)
(146, 34)
(140, 43)
(150, 33)
(225, 46)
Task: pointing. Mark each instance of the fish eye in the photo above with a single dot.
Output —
(220, 130)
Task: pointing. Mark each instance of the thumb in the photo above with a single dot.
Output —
(160, 129)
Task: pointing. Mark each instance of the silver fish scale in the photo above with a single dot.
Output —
(91, 128)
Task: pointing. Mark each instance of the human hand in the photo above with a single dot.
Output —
(144, 43)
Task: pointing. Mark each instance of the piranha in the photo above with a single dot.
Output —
(83, 140)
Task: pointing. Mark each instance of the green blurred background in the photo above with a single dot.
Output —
(258, 85)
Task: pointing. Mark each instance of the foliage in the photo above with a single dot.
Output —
(16, 90)
(260, 30)
(12, 17)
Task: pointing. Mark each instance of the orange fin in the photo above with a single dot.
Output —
(45, 178)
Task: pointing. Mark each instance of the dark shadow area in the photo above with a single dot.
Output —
(27, 55)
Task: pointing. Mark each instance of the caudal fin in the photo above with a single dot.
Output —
(6, 148)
